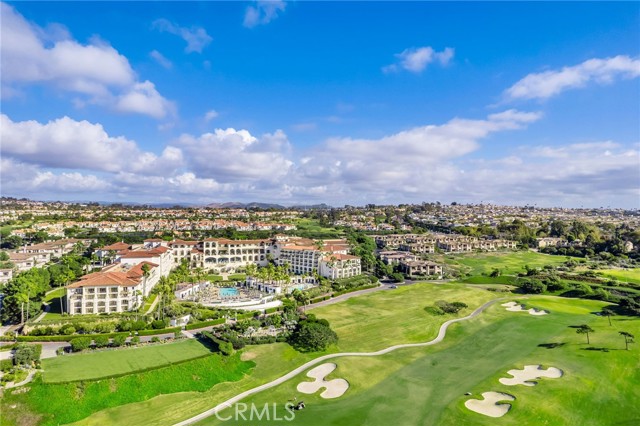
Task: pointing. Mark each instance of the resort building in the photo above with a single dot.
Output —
(118, 288)
(336, 266)
(224, 254)
(420, 267)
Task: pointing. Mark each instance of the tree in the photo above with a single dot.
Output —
(608, 312)
(145, 275)
(533, 286)
(313, 336)
(585, 329)
(628, 338)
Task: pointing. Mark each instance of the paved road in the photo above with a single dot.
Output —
(441, 334)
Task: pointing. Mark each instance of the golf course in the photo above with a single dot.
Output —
(416, 385)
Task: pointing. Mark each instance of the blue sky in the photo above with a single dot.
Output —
(343, 103)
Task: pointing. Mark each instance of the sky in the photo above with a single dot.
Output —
(310, 102)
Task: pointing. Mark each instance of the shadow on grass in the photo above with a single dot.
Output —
(551, 345)
(593, 348)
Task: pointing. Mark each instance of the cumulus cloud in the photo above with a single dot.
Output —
(416, 59)
(402, 160)
(546, 84)
(21, 178)
(143, 98)
(230, 155)
(593, 174)
(68, 144)
(30, 54)
(161, 59)
(263, 12)
(196, 37)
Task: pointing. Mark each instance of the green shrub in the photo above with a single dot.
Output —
(80, 343)
(135, 340)
(119, 340)
(155, 339)
(101, 341)
(6, 365)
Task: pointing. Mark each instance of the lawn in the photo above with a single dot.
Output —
(374, 321)
(509, 262)
(148, 303)
(94, 365)
(427, 385)
(626, 275)
(311, 228)
(57, 403)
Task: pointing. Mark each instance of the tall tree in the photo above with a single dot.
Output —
(628, 338)
(585, 329)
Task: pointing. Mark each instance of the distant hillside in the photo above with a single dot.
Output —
(238, 205)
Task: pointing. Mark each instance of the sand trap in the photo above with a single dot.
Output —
(333, 388)
(489, 405)
(516, 307)
(530, 372)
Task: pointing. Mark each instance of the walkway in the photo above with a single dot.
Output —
(153, 305)
(22, 383)
(47, 308)
(441, 334)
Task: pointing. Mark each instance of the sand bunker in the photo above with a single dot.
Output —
(528, 374)
(516, 307)
(489, 405)
(333, 388)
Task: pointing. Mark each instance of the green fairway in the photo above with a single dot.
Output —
(63, 403)
(426, 386)
(377, 320)
(626, 275)
(271, 361)
(94, 365)
(509, 263)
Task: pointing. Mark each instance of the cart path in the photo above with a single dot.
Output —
(226, 404)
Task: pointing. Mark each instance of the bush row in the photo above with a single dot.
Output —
(351, 290)
(203, 324)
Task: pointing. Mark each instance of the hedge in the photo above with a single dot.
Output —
(93, 336)
(351, 290)
(320, 299)
(159, 331)
(203, 324)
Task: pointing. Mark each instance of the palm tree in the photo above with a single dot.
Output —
(628, 338)
(22, 298)
(145, 275)
(585, 329)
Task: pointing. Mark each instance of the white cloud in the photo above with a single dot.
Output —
(31, 54)
(68, 144)
(263, 12)
(21, 178)
(416, 59)
(196, 37)
(161, 59)
(210, 115)
(546, 84)
(413, 161)
(235, 155)
(143, 98)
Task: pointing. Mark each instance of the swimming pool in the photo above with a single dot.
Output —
(229, 291)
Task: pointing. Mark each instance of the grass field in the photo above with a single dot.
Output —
(57, 403)
(311, 228)
(427, 385)
(626, 275)
(509, 262)
(94, 365)
(148, 303)
(377, 320)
